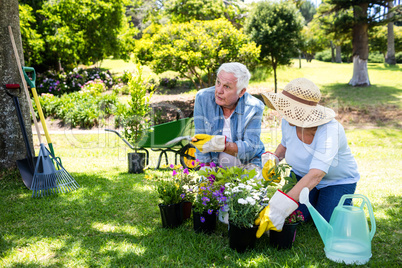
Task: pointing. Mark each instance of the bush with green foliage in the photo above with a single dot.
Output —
(136, 117)
(324, 56)
(376, 57)
(84, 108)
(61, 83)
(398, 57)
(195, 48)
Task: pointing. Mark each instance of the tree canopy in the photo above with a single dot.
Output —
(195, 48)
(276, 28)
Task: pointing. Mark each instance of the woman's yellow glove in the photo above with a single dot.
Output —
(273, 216)
(269, 160)
(209, 143)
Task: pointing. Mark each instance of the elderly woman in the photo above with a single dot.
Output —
(315, 145)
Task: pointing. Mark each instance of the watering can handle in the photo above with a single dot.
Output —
(369, 207)
(31, 82)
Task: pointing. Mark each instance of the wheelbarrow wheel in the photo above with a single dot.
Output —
(187, 157)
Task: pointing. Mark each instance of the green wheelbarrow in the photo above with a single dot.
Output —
(160, 140)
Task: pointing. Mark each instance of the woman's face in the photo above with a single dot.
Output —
(226, 90)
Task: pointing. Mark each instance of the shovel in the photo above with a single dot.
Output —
(26, 166)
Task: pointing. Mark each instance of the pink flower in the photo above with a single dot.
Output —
(174, 173)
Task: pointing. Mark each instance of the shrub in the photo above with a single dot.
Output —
(61, 83)
(324, 56)
(376, 57)
(398, 57)
(83, 108)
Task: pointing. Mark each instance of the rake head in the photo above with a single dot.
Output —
(48, 180)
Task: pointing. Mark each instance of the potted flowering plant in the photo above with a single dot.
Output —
(285, 238)
(207, 201)
(173, 191)
(243, 204)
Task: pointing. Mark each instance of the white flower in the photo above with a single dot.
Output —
(249, 188)
(250, 200)
(242, 201)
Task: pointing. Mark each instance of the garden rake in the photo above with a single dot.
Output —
(47, 179)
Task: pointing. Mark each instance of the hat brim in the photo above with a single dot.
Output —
(296, 113)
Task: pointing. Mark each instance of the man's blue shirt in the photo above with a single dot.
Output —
(245, 125)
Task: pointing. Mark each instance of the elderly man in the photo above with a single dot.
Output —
(227, 120)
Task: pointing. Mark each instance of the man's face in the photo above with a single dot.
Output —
(226, 90)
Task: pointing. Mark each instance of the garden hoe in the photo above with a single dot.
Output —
(46, 179)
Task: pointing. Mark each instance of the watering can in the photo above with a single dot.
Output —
(346, 237)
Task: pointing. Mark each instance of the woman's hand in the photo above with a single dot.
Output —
(310, 180)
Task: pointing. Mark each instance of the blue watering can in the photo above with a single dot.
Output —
(346, 237)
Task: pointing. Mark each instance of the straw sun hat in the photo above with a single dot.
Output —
(298, 104)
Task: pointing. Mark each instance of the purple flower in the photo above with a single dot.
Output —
(202, 164)
(223, 199)
(210, 211)
(202, 219)
(185, 171)
(205, 199)
(174, 173)
(182, 196)
(171, 166)
(203, 188)
(192, 163)
(212, 164)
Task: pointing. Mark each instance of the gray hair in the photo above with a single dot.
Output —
(240, 71)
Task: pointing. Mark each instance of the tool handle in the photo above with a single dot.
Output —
(41, 116)
(24, 83)
(31, 81)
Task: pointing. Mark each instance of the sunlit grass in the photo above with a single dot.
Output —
(113, 219)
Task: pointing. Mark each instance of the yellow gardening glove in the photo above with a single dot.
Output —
(269, 160)
(209, 143)
(273, 216)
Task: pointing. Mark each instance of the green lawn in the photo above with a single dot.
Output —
(113, 219)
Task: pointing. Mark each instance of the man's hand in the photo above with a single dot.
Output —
(273, 216)
(209, 143)
(269, 160)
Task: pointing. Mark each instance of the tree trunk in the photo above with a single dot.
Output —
(390, 57)
(274, 65)
(360, 47)
(12, 145)
(332, 51)
(338, 57)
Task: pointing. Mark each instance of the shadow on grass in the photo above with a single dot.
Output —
(114, 221)
(384, 67)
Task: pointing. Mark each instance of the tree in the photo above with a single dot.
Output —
(187, 10)
(79, 31)
(276, 27)
(379, 39)
(32, 41)
(313, 40)
(308, 10)
(12, 146)
(390, 56)
(366, 14)
(195, 48)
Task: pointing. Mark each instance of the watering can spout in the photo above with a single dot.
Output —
(324, 228)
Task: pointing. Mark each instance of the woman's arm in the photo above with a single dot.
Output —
(310, 180)
(280, 151)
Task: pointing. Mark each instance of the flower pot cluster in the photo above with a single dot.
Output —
(233, 195)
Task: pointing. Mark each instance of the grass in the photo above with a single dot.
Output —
(333, 81)
(113, 219)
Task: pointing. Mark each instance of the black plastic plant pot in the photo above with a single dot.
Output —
(187, 205)
(171, 215)
(204, 222)
(242, 238)
(284, 239)
(136, 162)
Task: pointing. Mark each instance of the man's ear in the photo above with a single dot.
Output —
(242, 92)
